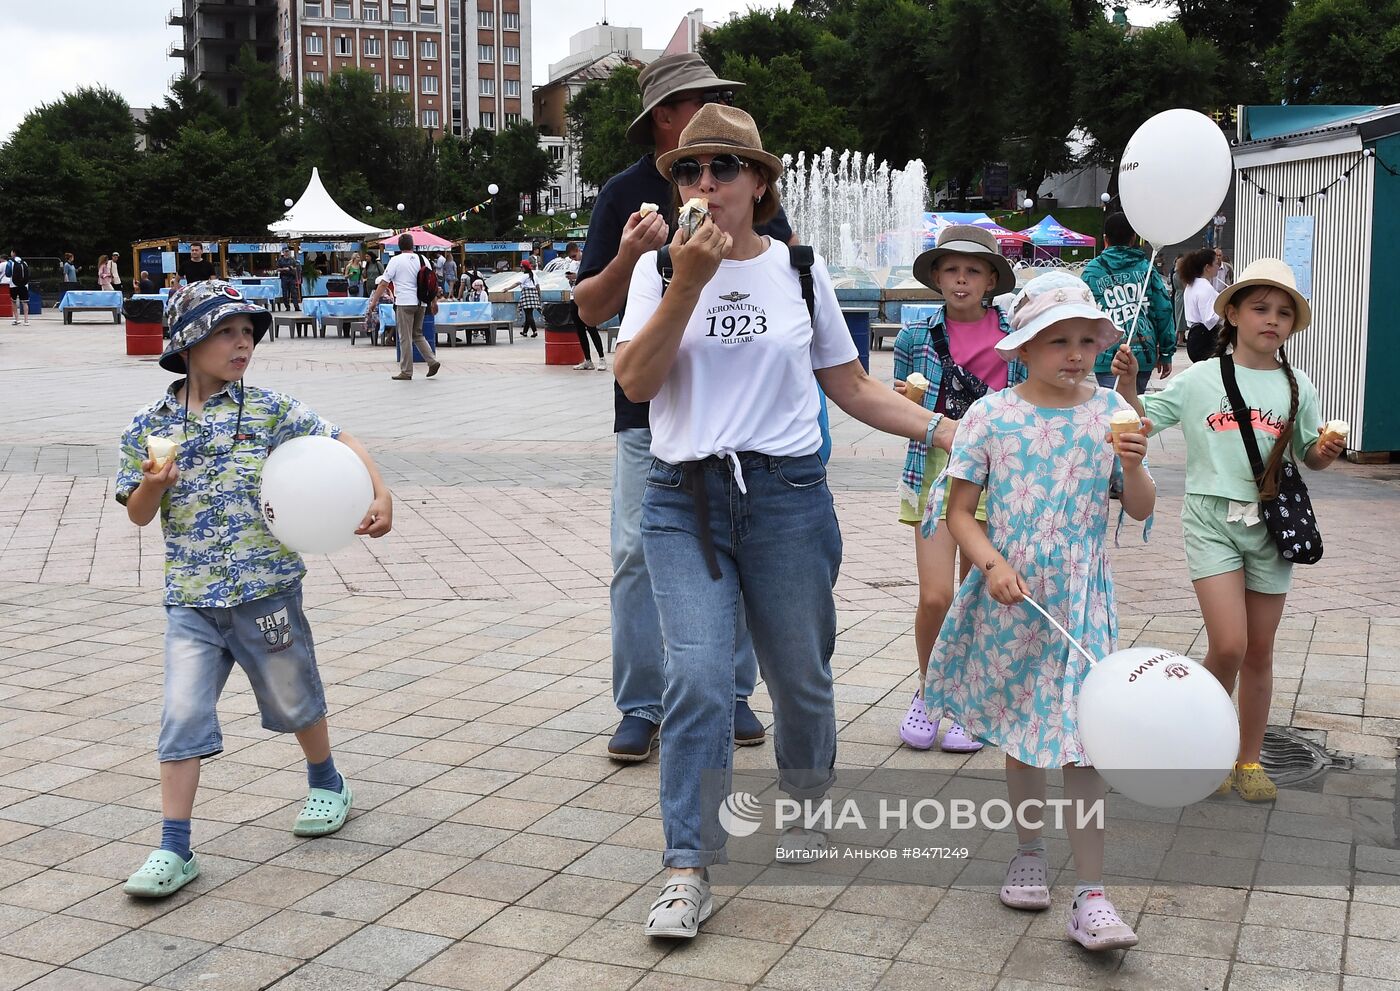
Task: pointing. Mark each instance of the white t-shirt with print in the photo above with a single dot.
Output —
(742, 380)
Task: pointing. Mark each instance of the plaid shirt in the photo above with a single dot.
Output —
(218, 549)
(914, 352)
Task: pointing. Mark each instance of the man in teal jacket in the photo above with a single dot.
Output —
(1116, 279)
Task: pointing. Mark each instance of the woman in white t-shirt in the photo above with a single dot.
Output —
(737, 514)
(1198, 270)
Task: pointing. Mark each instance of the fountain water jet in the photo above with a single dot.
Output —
(857, 213)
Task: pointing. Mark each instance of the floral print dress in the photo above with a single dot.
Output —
(1003, 671)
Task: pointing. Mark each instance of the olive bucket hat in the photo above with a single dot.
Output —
(198, 308)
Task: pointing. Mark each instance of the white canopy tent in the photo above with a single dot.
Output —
(317, 215)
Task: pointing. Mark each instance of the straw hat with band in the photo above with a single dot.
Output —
(1276, 275)
(717, 129)
(970, 240)
(1047, 300)
(667, 77)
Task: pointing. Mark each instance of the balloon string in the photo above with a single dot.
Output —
(1064, 632)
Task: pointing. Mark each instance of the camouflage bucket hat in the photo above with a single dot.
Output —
(197, 309)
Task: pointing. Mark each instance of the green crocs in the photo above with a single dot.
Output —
(324, 811)
(163, 874)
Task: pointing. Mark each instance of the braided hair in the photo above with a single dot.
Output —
(1226, 336)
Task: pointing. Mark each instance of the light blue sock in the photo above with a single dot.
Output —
(324, 775)
(175, 837)
(1036, 845)
(1083, 887)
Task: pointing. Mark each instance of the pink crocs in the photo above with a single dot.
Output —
(916, 730)
(1094, 924)
(956, 741)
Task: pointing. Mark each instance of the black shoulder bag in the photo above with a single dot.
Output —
(1288, 515)
(958, 388)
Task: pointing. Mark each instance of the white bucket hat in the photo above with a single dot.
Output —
(1048, 299)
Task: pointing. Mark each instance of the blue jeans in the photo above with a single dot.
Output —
(269, 639)
(1109, 380)
(639, 676)
(778, 549)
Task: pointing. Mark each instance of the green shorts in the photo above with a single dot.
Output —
(1215, 547)
(934, 463)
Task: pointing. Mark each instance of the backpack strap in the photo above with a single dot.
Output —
(664, 267)
(803, 258)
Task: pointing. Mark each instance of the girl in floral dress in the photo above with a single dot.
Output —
(1042, 452)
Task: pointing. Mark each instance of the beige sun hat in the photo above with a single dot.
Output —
(717, 129)
(1275, 274)
(669, 76)
(966, 239)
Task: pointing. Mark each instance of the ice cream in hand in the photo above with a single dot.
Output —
(915, 386)
(162, 451)
(647, 209)
(1125, 421)
(692, 214)
(1339, 429)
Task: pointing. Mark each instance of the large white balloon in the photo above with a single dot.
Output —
(1174, 175)
(1158, 726)
(315, 492)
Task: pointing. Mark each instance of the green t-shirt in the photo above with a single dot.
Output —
(1217, 463)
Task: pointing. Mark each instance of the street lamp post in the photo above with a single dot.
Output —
(550, 214)
(493, 189)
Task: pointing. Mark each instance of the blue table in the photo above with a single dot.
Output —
(88, 301)
(343, 309)
(260, 292)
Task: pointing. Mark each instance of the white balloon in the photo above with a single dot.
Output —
(1174, 175)
(1158, 726)
(315, 492)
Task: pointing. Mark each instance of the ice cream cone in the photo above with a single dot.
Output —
(162, 451)
(1335, 430)
(1123, 422)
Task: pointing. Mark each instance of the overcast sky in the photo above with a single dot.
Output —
(59, 45)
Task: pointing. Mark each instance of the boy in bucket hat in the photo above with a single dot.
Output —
(232, 590)
(966, 270)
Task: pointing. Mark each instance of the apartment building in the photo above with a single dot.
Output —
(462, 64)
(212, 35)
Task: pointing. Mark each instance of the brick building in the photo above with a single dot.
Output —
(462, 64)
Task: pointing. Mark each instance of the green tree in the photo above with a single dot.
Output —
(1135, 76)
(359, 138)
(598, 119)
(187, 104)
(66, 176)
(1338, 51)
(763, 35)
(792, 111)
(521, 168)
(1041, 37)
(207, 182)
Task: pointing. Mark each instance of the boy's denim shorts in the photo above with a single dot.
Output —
(269, 639)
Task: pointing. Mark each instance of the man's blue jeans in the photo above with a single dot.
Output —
(639, 677)
(778, 549)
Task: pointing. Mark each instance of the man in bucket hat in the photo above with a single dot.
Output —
(232, 590)
(674, 88)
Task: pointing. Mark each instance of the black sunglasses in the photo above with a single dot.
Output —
(724, 168)
(725, 96)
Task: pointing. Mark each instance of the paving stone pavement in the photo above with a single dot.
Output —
(466, 663)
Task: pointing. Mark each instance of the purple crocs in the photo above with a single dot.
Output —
(916, 730)
(956, 741)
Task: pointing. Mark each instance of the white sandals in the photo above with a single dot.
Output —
(1027, 883)
(690, 894)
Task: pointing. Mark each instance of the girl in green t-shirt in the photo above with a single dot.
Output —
(1241, 579)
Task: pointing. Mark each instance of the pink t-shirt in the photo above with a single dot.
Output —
(973, 345)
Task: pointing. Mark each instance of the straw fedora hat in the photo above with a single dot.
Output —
(667, 77)
(966, 239)
(1275, 274)
(717, 130)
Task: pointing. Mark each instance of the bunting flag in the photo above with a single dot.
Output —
(451, 218)
(1303, 196)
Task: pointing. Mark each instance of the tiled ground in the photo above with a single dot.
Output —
(466, 659)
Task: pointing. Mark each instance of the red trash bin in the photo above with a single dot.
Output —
(143, 338)
(7, 308)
